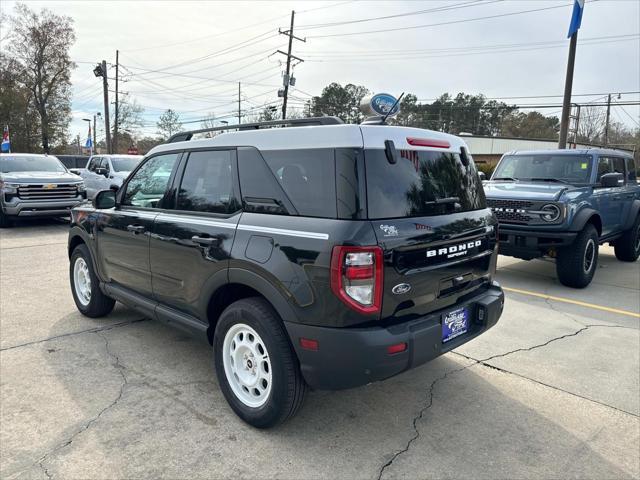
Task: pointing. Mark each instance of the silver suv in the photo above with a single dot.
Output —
(33, 185)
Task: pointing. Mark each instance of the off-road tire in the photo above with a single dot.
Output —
(288, 388)
(627, 247)
(99, 304)
(5, 221)
(576, 264)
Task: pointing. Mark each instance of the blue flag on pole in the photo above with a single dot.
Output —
(89, 142)
(576, 17)
(6, 143)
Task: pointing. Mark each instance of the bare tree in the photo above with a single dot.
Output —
(169, 123)
(592, 123)
(39, 44)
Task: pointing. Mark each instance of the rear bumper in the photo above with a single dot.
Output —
(349, 357)
(49, 208)
(529, 244)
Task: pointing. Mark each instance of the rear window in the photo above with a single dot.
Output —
(422, 183)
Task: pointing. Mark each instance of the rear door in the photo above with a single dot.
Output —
(429, 214)
(191, 243)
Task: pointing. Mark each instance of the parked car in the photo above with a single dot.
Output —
(564, 204)
(300, 270)
(33, 185)
(103, 172)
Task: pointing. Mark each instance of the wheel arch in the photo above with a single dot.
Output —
(243, 284)
(634, 212)
(587, 216)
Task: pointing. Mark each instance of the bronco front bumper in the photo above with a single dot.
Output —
(348, 357)
(529, 244)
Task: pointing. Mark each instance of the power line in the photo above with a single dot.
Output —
(451, 22)
(473, 3)
(627, 113)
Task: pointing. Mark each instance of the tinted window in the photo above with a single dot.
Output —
(570, 168)
(421, 183)
(148, 185)
(632, 175)
(207, 183)
(261, 192)
(308, 178)
(125, 164)
(604, 166)
(350, 183)
(28, 163)
(104, 163)
(93, 163)
(618, 165)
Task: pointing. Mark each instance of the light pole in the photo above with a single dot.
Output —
(90, 139)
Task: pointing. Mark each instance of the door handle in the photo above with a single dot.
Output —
(206, 241)
(136, 228)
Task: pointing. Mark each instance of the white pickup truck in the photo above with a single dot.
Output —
(106, 171)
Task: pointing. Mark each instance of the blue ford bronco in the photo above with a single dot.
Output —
(564, 204)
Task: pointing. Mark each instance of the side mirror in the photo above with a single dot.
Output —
(104, 199)
(482, 175)
(101, 171)
(75, 171)
(612, 180)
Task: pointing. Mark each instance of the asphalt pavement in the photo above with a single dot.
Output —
(553, 391)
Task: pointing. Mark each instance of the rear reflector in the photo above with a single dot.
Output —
(309, 344)
(428, 142)
(397, 348)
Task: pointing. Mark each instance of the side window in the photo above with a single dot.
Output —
(149, 184)
(207, 183)
(604, 166)
(308, 177)
(93, 163)
(261, 192)
(618, 165)
(104, 163)
(633, 167)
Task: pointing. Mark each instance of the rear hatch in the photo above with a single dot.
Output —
(429, 213)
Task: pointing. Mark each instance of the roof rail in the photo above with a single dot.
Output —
(292, 122)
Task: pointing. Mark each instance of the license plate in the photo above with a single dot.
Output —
(454, 324)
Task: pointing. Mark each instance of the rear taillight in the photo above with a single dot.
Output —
(356, 277)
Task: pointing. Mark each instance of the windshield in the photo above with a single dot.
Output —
(422, 183)
(545, 168)
(125, 164)
(35, 163)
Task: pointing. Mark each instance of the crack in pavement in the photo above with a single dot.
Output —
(70, 334)
(429, 401)
(121, 369)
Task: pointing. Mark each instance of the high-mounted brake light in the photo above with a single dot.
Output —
(428, 142)
(356, 277)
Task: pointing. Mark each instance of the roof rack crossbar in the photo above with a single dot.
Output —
(293, 122)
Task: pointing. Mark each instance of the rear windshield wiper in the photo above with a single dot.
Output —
(548, 180)
(511, 179)
(443, 201)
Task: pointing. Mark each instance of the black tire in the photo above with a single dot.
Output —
(99, 304)
(627, 247)
(5, 221)
(287, 389)
(577, 263)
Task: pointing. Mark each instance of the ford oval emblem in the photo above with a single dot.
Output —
(401, 288)
(382, 103)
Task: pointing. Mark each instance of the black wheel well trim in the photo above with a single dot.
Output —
(241, 284)
(78, 236)
(584, 217)
(634, 212)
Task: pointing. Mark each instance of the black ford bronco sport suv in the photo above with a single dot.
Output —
(319, 255)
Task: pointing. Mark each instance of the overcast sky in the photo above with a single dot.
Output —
(198, 51)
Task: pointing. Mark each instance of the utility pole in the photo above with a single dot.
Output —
(95, 146)
(115, 121)
(606, 125)
(239, 110)
(105, 88)
(287, 76)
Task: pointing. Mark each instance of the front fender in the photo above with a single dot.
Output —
(634, 211)
(77, 232)
(581, 218)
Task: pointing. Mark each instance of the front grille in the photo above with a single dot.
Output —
(510, 211)
(48, 191)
